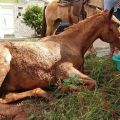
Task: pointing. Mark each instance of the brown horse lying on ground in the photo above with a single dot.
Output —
(28, 67)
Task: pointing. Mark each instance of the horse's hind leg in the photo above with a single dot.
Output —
(11, 97)
(66, 70)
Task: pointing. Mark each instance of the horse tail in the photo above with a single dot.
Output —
(44, 25)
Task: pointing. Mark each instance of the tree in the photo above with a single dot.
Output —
(32, 17)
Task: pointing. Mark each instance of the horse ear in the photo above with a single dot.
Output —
(111, 12)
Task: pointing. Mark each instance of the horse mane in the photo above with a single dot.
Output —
(88, 19)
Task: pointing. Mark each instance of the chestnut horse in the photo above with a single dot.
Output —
(26, 68)
(55, 13)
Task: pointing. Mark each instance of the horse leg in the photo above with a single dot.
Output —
(49, 30)
(50, 27)
(56, 24)
(11, 97)
(66, 70)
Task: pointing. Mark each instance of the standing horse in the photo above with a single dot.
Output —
(55, 12)
(28, 67)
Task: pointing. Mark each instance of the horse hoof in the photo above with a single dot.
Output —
(2, 101)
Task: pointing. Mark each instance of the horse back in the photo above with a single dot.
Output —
(41, 53)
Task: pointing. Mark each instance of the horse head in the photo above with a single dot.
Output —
(109, 31)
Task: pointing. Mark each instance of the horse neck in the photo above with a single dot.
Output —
(91, 33)
(84, 35)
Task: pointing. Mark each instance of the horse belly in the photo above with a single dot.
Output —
(27, 80)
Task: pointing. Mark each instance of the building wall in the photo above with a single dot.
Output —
(7, 18)
(10, 22)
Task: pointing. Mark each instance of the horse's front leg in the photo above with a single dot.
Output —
(49, 31)
(66, 70)
(50, 28)
(12, 97)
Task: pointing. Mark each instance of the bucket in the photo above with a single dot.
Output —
(116, 59)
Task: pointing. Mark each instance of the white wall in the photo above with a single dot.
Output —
(10, 24)
(6, 19)
(1, 26)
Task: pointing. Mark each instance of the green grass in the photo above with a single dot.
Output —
(83, 105)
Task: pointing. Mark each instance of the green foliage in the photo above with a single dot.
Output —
(73, 80)
(32, 117)
(33, 17)
(104, 66)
